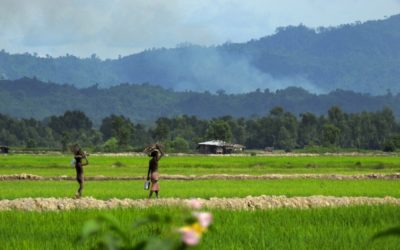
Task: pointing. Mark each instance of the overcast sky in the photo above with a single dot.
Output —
(120, 27)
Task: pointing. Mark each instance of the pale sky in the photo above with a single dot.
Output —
(121, 27)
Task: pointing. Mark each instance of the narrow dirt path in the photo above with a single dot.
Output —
(247, 203)
(17, 177)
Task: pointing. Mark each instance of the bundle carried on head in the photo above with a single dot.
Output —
(154, 148)
(77, 150)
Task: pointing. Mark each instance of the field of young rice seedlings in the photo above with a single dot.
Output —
(112, 165)
(203, 188)
(215, 179)
(323, 228)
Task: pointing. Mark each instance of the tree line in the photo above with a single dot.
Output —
(144, 103)
(278, 129)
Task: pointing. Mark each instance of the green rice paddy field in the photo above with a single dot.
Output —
(56, 165)
(203, 188)
(333, 228)
(322, 228)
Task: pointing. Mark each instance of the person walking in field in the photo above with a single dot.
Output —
(80, 161)
(152, 174)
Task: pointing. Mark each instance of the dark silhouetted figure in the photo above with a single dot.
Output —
(80, 161)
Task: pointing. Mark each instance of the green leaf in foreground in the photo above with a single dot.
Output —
(394, 231)
(107, 227)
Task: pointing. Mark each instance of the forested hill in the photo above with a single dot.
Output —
(363, 57)
(145, 103)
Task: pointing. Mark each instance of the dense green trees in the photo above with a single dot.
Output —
(145, 103)
(279, 129)
(73, 126)
(71, 120)
(25, 132)
(308, 130)
(219, 130)
(118, 127)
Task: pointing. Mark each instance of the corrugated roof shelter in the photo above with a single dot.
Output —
(218, 147)
(4, 149)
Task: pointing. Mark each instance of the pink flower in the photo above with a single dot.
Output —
(191, 235)
(204, 218)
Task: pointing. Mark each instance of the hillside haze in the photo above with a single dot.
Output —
(26, 98)
(362, 57)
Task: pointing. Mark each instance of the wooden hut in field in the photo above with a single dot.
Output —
(4, 149)
(218, 147)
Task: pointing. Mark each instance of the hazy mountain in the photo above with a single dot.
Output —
(144, 103)
(363, 57)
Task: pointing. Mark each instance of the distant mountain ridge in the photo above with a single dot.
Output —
(31, 98)
(363, 57)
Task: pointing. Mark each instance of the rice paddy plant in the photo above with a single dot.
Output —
(111, 165)
(203, 188)
(325, 228)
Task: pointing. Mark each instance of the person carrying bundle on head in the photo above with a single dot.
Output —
(80, 160)
(155, 152)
